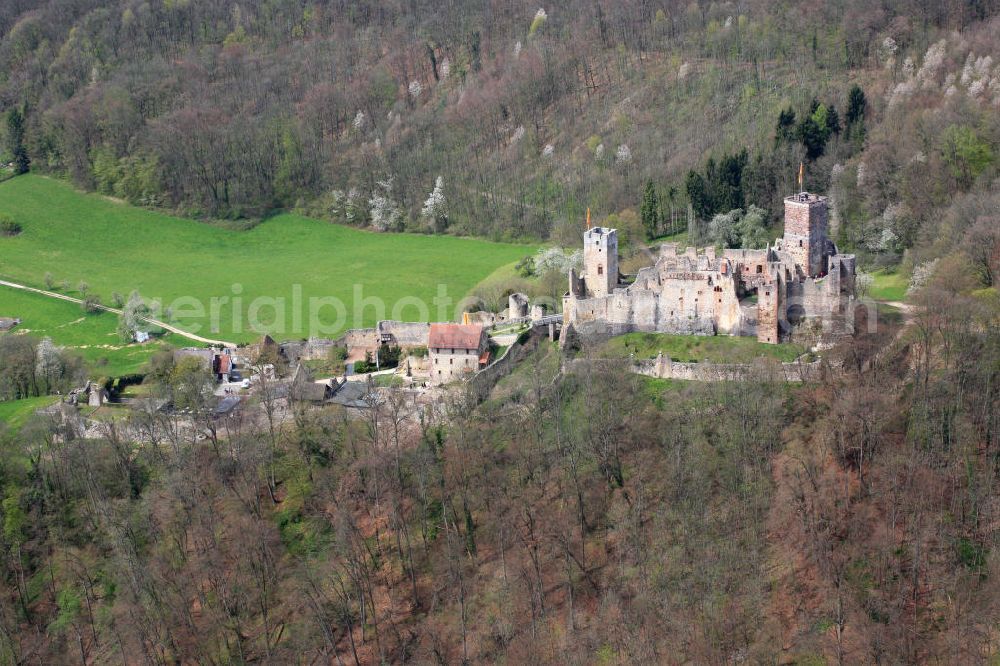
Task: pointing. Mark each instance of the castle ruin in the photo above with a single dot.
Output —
(762, 293)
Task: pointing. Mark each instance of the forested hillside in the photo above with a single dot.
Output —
(574, 512)
(501, 118)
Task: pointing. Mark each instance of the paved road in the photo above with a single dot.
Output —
(155, 322)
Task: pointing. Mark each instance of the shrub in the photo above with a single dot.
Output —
(91, 304)
(537, 22)
(8, 227)
(389, 356)
(971, 554)
(367, 365)
(525, 267)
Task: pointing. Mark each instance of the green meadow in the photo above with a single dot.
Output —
(115, 247)
(92, 336)
(15, 413)
(696, 348)
(888, 286)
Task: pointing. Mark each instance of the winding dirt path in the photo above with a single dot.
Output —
(155, 322)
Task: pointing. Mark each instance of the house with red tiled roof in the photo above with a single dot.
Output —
(456, 350)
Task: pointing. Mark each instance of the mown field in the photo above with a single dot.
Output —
(115, 247)
(93, 336)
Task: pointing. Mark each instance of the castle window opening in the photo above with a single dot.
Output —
(760, 269)
(600, 269)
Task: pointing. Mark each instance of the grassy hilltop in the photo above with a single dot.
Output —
(115, 247)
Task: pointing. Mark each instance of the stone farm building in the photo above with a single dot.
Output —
(455, 350)
(762, 293)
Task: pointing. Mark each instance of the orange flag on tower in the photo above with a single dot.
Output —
(801, 174)
(588, 218)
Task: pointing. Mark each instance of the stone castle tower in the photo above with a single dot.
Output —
(768, 312)
(805, 232)
(600, 261)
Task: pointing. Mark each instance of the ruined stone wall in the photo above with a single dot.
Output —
(768, 297)
(483, 381)
(576, 286)
(763, 369)
(364, 339)
(699, 303)
(406, 334)
(746, 256)
(846, 267)
(820, 296)
(725, 304)
(663, 367)
(317, 349)
(646, 310)
(517, 306)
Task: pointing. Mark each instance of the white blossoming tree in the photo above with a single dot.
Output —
(623, 157)
(347, 207)
(435, 209)
(385, 213)
(921, 274)
(557, 259)
(862, 284)
(131, 321)
(48, 363)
